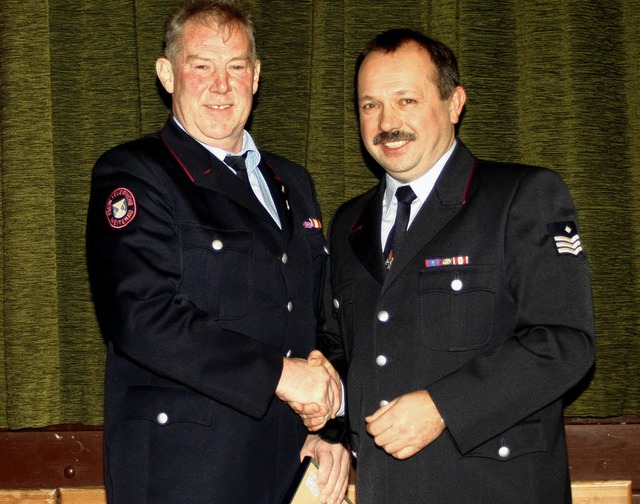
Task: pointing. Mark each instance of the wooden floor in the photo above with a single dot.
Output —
(584, 492)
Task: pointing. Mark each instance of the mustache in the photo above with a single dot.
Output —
(393, 136)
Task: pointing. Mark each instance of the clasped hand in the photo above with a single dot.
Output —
(311, 388)
(406, 425)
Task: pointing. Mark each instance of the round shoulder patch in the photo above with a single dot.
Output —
(120, 208)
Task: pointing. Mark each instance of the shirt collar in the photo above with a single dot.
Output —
(422, 186)
(248, 147)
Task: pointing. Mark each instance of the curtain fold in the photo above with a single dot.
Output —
(29, 228)
(553, 83)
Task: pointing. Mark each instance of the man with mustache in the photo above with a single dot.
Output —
(461, 300)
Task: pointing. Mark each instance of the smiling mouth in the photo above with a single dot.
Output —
(218, 107)
(395, 145)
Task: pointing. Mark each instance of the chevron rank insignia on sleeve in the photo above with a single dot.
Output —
(566, 238)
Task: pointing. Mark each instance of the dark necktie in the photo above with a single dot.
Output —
(404, 195)
(238, 164)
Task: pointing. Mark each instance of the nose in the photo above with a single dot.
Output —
(390, 120)
(220, 83)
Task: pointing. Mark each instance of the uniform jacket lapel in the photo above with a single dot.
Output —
(205, 170)
(364, 234)
(447, 198)
(280, 195)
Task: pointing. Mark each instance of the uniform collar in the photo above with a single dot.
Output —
(422, 186)
(248, 147)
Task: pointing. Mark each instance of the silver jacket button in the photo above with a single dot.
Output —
(162, 418)
(383, 316)
(381, 360)
(456, 285)
(336, 304)
(217, 245)
(504, 452)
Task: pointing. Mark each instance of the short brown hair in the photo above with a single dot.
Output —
(443, 58)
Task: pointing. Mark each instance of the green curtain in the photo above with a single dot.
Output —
(549, 82)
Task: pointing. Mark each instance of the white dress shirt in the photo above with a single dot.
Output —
(422, 186)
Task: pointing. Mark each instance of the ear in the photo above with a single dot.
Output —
(456, 104)
(256, 75)
(164, 70)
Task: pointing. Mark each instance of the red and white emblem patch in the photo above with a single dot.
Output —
(121, 208)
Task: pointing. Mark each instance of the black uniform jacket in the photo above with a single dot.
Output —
(199, 295)
(488, 306)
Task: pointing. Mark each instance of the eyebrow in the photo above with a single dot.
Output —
(400, 92)
(192, 57)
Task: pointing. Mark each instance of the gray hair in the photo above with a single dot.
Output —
(220, 12)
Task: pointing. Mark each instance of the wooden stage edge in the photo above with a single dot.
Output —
(71, 455)
(605, 449)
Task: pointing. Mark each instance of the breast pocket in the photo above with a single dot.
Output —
(217, 269)
(456, 306)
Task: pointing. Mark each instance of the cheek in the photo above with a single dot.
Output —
(368, 127)
(245, 86)
(421, 126)
(195, 85)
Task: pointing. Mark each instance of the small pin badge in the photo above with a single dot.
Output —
(389, 260)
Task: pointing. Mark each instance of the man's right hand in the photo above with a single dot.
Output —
(311, 388)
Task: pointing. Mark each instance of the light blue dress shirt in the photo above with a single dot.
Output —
(254, 175)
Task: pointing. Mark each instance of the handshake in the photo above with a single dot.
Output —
(311, 388)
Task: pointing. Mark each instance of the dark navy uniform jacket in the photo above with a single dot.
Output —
(199, 296)
(487, 305)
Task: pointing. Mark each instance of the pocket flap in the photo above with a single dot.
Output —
(217, 240)
(458, 280)
(165, 405)
(526, 437)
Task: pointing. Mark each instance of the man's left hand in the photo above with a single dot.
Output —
(334, 463)
(406, 425)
